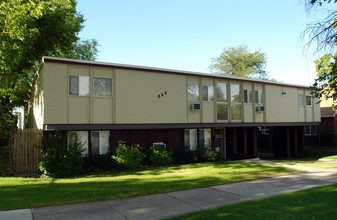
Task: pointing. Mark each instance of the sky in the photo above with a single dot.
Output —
(186, 34)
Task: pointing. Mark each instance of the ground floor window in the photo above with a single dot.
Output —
(99, 142)
(190, 138)
(205, 138)
(310, 130)
(264, 130)
(83, 135)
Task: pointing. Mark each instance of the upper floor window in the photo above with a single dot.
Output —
(208, 93)
(193, 92)
(308, 100)
(102, 86)
(300, 99)
(258, 97)
(248, 95)
(221, 92)
(235, 93)
(79, 85)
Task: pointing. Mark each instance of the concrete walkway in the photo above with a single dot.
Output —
(171, 204)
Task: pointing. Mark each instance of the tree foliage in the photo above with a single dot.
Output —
(324, 34)
(28, 31)
(238, 61)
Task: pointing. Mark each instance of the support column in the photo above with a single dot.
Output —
(235, 141)
(255, 140)
(288, 142)
(245, 141)
(296, 141)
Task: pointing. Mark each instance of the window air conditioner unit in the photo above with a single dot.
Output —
(260, 109)
(162, 144)
(195, 106)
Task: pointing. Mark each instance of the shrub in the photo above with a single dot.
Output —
(159, 156)
(97, 163)
(58, 162)
(128, 156)
(182, 155)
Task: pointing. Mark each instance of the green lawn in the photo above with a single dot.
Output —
(18, 193)
(322, 155)
(316, 203)
(316, 164)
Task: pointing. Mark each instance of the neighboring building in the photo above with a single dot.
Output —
(325, 134)
(143, 105)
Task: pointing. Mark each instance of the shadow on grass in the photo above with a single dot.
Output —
(316, 203)
(30, 192)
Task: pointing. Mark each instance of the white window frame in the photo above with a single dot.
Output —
(83, 138)
(109, 95)
(258, 97)
(312, 130)
(306, 100)
(205, 137)
(83, 85)
(102, 149)
(248, 96)
(210, 93)
(300, 99)
(191, 135)
(193, 91)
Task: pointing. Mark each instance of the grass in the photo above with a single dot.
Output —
(321, 155)
(316, 203)
(18, 193)
(316, 164)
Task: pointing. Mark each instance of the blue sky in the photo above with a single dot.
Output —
(186, 34)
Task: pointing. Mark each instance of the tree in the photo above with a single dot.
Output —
(238, 61)
(323, 33)
(28, 31)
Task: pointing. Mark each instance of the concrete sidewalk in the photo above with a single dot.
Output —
(171, 204)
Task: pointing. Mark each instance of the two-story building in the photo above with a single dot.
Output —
(107, 102)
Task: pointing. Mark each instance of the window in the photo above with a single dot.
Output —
(308, 100)
(208, 93)
(221, 92)
(258, 97)
(190, 138)
(83, 135)
(236, 112)
(310, 130)
(235, 93)
(300, 100)
(99, 142)
(79, 85)
(102, 86)
(222, 112)
(205, 138)
(193, 92)
(248, 95)
(264, 130)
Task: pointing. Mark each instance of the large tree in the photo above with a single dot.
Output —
(323, 34)
(238, 61)
(30, 29)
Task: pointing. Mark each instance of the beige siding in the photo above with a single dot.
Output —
(55, 93)
(138, 101)
(102, 111)
(156, 97)
(281, 107)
